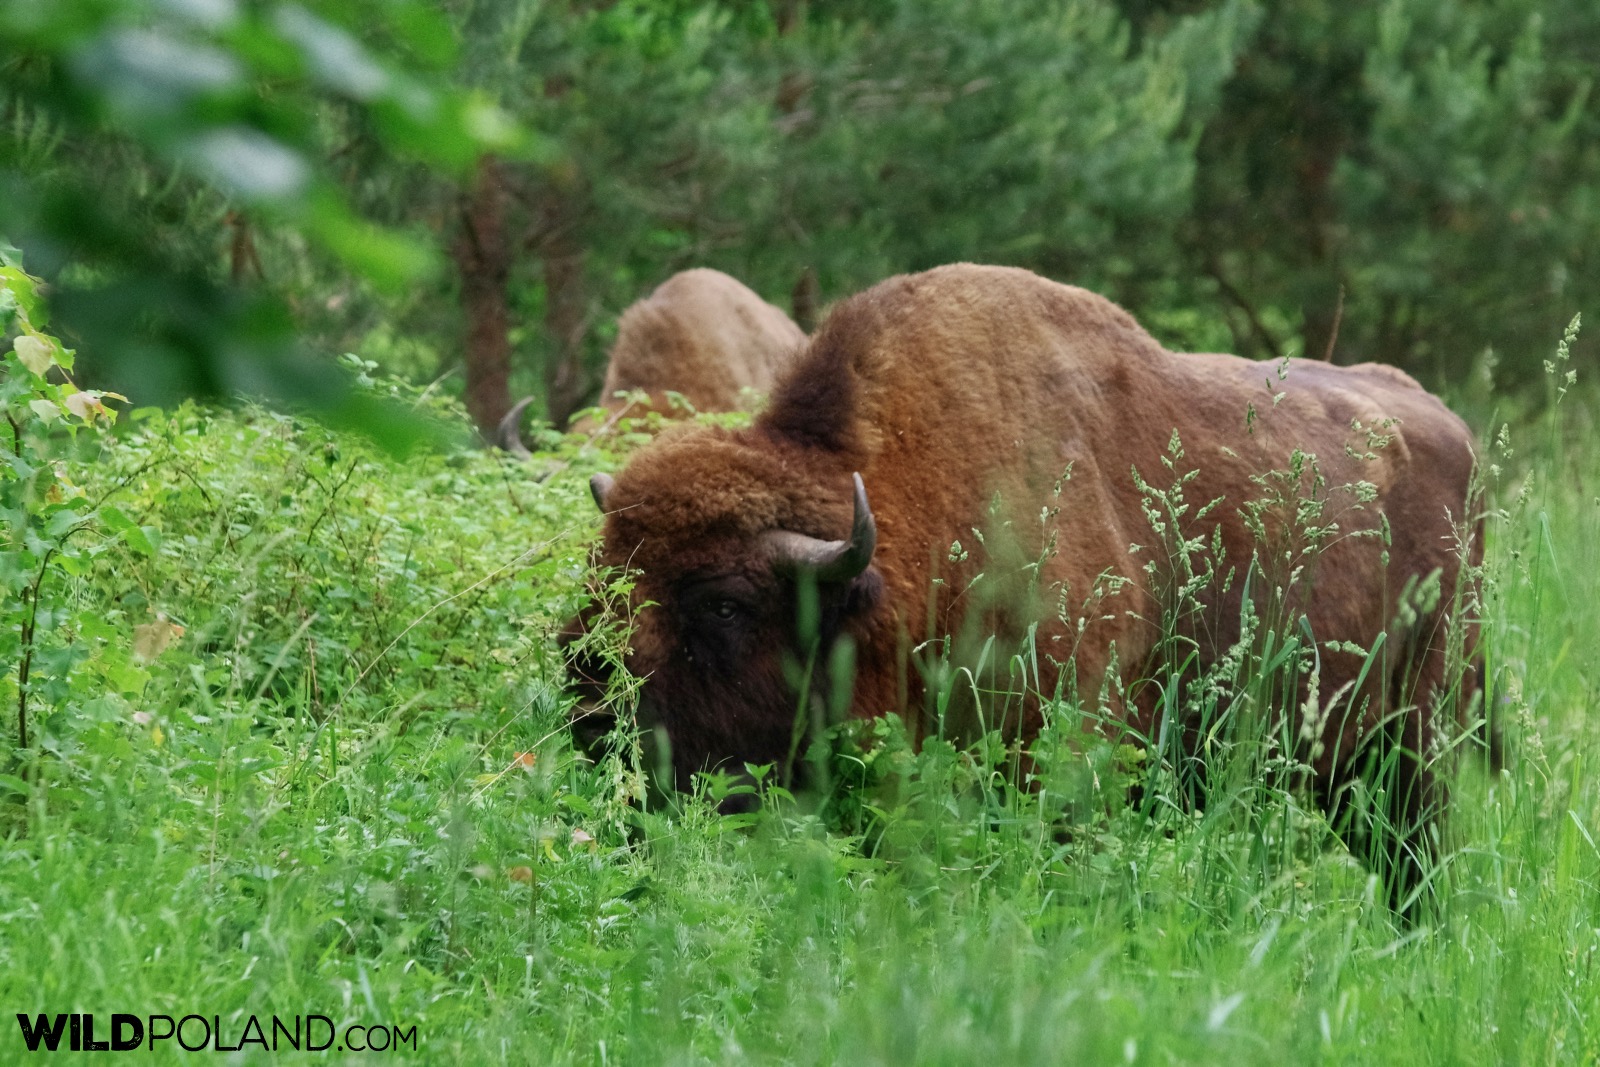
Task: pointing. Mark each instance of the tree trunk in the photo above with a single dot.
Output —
(566, 318)
(243, 258)
(482, 256)
(1322, 299)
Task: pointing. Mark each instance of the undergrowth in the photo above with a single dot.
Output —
(300, 746)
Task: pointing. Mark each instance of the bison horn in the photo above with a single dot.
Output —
(600, 487)
(509, 436)
(831, 561)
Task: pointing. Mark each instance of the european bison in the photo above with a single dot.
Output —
(973, 402)
(701, 335)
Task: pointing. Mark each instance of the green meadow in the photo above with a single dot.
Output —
(299, 747)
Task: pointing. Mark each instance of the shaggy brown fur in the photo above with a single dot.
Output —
(951, 389)
(703, 335)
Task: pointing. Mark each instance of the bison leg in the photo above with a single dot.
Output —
(1387, 802)
(1386, 809)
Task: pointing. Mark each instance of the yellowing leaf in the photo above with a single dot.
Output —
(45, 409)
(150, 639)
(86, 405)
(34, 353)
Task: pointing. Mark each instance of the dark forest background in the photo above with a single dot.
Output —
(226, 196)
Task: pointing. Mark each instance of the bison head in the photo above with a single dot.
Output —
(727, 544)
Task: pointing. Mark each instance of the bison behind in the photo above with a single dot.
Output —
(701, 335)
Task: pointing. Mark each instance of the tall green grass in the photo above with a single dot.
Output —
(347, 789)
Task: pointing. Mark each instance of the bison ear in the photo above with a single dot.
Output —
(600, 487)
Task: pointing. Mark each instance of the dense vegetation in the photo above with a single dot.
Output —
(286, 730)
(299, 746)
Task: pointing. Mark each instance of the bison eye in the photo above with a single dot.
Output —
(721, 602)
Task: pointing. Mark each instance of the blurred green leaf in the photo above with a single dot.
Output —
(130, 532)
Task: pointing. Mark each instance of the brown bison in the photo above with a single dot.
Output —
(701, 335)
(1005, 424)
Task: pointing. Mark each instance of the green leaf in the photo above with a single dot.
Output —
(22, 286)
(249, 164)
(132, 534)
(61, 522)
(390, 260)
(127, 678)
(334, 56)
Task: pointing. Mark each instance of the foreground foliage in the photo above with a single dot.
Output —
(142, 137)
(300, 748)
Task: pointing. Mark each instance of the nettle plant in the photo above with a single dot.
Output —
(51, 527)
